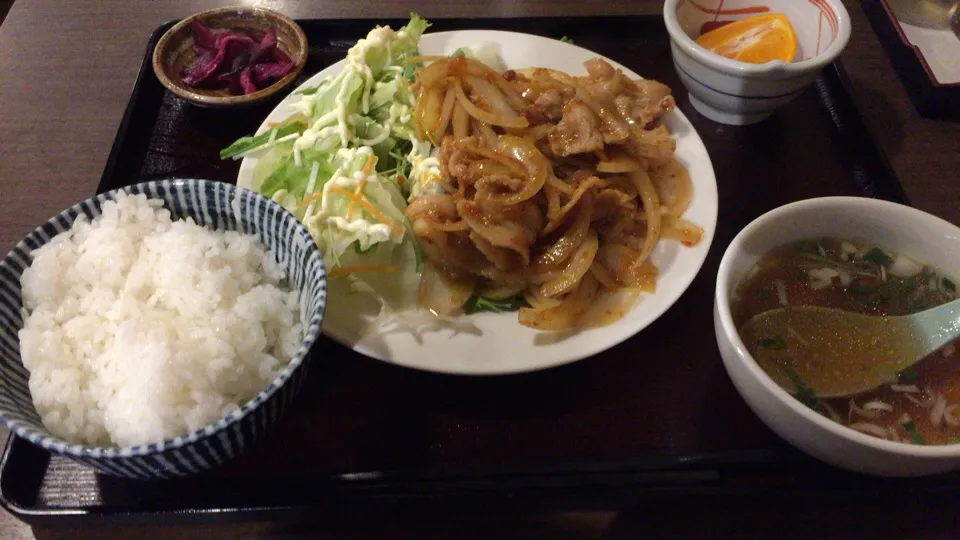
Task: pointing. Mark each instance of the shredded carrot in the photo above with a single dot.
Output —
(357, 192)
(366, 206)
(401, 179)
(310, 199)
(368, 166)
(341, 270)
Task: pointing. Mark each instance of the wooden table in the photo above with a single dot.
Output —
(66, 70)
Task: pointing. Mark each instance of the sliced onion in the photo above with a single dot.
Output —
(490, 138)
(904, 267)
(908, 388)
(823, 273)
(428, 111)
(561, 216)
(489, 93)
(834, 415)
(781, 292)
(951, 415)
(914, 400)
(578, 266)
(939, 406)
(537, 301)
(675, 228)
(674, 187)
(609, 308)
(602, 275)
(442, 294)
(566, 315)
(446, 112)
(536, 164)
(461, 121)
(862, 412)
(515, 167)
(651, 206)
(560, 250)
(877, 406)
(870, 429)
(487, 116)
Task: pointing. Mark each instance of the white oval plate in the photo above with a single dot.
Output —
(498, 344)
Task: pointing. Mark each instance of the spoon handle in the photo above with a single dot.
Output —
(939, 325)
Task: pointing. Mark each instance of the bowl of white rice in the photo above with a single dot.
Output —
(160, 329)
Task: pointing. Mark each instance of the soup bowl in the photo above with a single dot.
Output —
(733, 92)
(916, 234)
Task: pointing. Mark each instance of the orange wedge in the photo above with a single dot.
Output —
(756, 39)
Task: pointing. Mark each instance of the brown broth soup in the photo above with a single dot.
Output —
(924, 406)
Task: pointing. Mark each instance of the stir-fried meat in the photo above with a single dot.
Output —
(451, 251)
(598, 68)
(613, 202)
(510, 234)
(648, 102)
(578, 132)
(502, 258)
(550, 104)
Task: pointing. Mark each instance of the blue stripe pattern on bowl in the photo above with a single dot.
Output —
(214, 205)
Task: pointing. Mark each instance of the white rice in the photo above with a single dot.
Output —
(138, 328)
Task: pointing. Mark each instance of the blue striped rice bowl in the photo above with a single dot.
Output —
(214, 205)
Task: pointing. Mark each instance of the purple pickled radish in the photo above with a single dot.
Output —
(272, 71)
(232, 81)
(265, 48)
(200, 75)
(202, 58)
(279, 56)
(203, 36)
(246, 81)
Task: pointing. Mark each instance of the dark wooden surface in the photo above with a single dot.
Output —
(66, 69)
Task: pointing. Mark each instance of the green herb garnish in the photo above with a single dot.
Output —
(245, 144)
(409, 71)
(802, 275)
(566, 39)
(908, 376)
(459, 52)
(808, 247)
(860, 289)
(947, 284)
(775, 342)
(370, 249)
(877, 256)
(763, 292)
(804, 393)
(477, 304)
(912, 432)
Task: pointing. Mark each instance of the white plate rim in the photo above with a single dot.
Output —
(705, 194)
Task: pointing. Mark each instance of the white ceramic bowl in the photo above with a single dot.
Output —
(899, 228)
(733, 92)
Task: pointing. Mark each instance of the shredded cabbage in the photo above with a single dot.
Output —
(340, 164)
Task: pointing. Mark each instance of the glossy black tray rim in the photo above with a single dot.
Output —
(571, 486)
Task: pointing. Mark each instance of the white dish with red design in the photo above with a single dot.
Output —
(733, 92)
